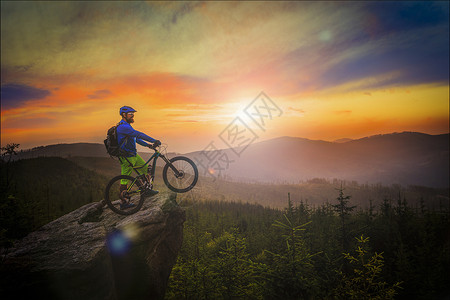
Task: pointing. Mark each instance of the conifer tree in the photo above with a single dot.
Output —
(291, 275)
(365, 280)
(343, 209)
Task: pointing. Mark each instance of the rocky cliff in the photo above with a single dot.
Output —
(93, 253)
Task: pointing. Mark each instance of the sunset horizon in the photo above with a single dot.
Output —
(333, 70)
(203, 147)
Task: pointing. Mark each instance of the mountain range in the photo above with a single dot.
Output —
(407, 158)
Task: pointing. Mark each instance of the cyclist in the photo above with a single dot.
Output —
(132, 159)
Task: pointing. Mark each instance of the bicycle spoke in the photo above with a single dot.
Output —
(185, 176)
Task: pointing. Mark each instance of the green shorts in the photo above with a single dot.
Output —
(138, 164)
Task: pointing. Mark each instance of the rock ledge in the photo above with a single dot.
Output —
(93, 253)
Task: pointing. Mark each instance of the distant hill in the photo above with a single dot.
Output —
(402, 158)
(65, 150)
(344, 140)
(69, 150)
(36, 191)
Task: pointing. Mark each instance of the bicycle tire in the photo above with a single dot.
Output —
(112, 196)
(186, 166)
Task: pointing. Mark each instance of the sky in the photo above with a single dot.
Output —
(332, 69)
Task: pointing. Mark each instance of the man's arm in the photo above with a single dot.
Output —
(141, 142)
(126, 129)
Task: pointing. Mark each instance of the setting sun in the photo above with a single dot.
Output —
(335, 70)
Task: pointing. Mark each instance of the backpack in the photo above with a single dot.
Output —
(112, 143)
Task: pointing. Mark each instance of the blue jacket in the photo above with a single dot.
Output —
(124, 130)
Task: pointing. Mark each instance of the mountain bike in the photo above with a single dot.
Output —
(180, 175)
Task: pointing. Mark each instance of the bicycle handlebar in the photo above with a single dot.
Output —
(153, 146)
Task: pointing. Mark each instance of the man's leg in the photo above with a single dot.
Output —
(139, 162)
(126, 169)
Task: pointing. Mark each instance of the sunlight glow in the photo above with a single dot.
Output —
(332, 73)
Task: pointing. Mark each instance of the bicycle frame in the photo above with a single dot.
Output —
(180, 174)
(154, 157)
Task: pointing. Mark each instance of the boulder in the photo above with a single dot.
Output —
(93, 253)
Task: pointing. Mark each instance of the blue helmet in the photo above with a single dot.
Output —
(126, 109)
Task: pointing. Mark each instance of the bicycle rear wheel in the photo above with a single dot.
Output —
(133, 195)
(180, 175)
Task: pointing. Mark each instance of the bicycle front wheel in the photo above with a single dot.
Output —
(181, 174)
(132, 195)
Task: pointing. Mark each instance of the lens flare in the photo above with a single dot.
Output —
(118, 243)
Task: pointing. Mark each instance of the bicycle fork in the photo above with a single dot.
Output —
(175, 171)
